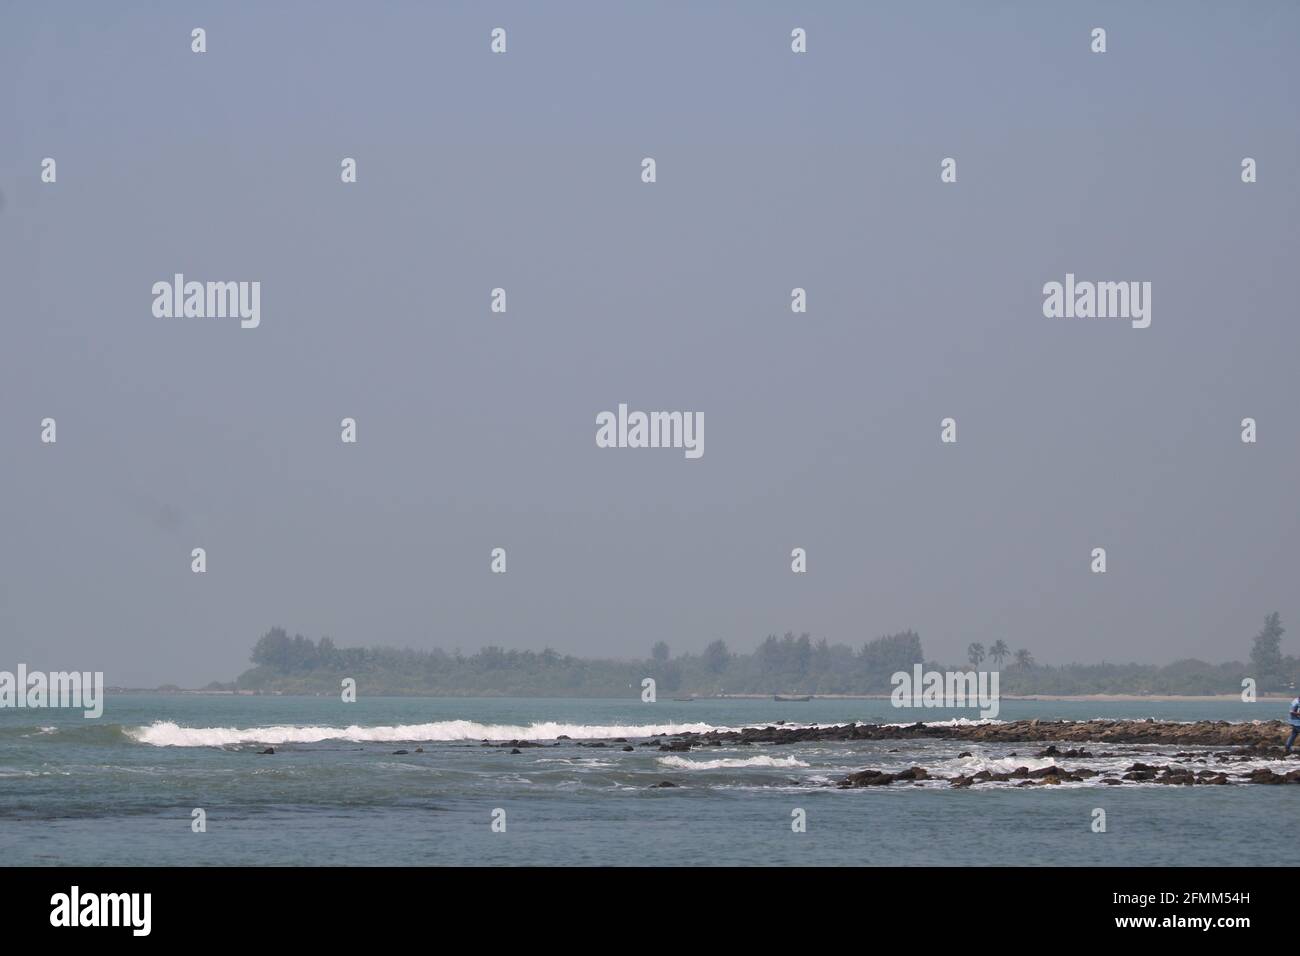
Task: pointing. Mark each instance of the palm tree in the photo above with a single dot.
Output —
(1024, 660)
(975, 654)
(999, 651)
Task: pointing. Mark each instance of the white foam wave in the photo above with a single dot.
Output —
(970, 765)
(954, 722)
(729, 763)
(165, 733)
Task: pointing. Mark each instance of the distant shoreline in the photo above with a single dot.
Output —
(1053, 698)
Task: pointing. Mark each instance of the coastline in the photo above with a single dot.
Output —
(1074, 698)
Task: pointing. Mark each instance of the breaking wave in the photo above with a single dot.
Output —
(954, 722)
(165, 733)
(728, 763)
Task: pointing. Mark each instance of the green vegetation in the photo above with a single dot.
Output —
(792, 665)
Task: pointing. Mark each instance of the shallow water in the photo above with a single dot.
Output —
(121, 789)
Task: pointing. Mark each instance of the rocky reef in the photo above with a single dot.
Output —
(1207, 733)
(1250, 743)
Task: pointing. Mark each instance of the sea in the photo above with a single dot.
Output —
(175, 779)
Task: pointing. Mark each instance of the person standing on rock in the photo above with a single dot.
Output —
(1295, 725)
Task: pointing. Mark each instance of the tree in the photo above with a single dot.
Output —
(326, 652)
(999, 651)
(1024, 660)
(975, 654)
(660, 651)
(803, 652)
(717, 657)
(670, 675)
(273, 649)
(885, 656)
(1266, 654)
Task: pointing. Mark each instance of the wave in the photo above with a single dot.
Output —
(165, 733)
(970, 765)
(954, 722)
(729, 763)
(91, 732)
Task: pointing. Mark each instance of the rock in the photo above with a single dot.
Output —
(879, 778)
(867, 778)
(268, 750)
(626, 749)
(516, 750)
(661, 784)
(1266, 735)
(1264, 775)
(1053, 751)
(965, 753)
(398, 753)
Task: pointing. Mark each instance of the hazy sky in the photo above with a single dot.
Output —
(477, 430)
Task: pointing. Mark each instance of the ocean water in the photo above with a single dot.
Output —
(121, 789)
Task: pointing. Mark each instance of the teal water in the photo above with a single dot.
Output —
(121, 789)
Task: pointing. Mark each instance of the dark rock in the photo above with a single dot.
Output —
(879, 778)
(1265, 736)
(677, 746)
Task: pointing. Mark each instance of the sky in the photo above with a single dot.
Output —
(476, 430)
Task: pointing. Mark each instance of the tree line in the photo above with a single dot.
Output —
(787, 664)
